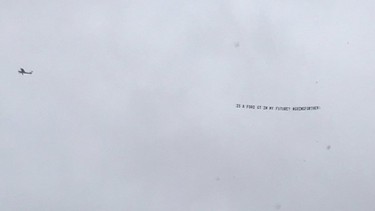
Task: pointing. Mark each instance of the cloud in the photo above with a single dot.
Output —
(132, 105)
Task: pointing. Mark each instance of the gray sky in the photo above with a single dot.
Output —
(132, 105)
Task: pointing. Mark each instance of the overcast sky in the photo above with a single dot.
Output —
(132, 105)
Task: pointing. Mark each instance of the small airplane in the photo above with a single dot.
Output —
(22, 71)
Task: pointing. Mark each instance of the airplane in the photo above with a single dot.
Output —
(22, 71)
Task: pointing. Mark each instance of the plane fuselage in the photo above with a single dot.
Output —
(24, 72)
